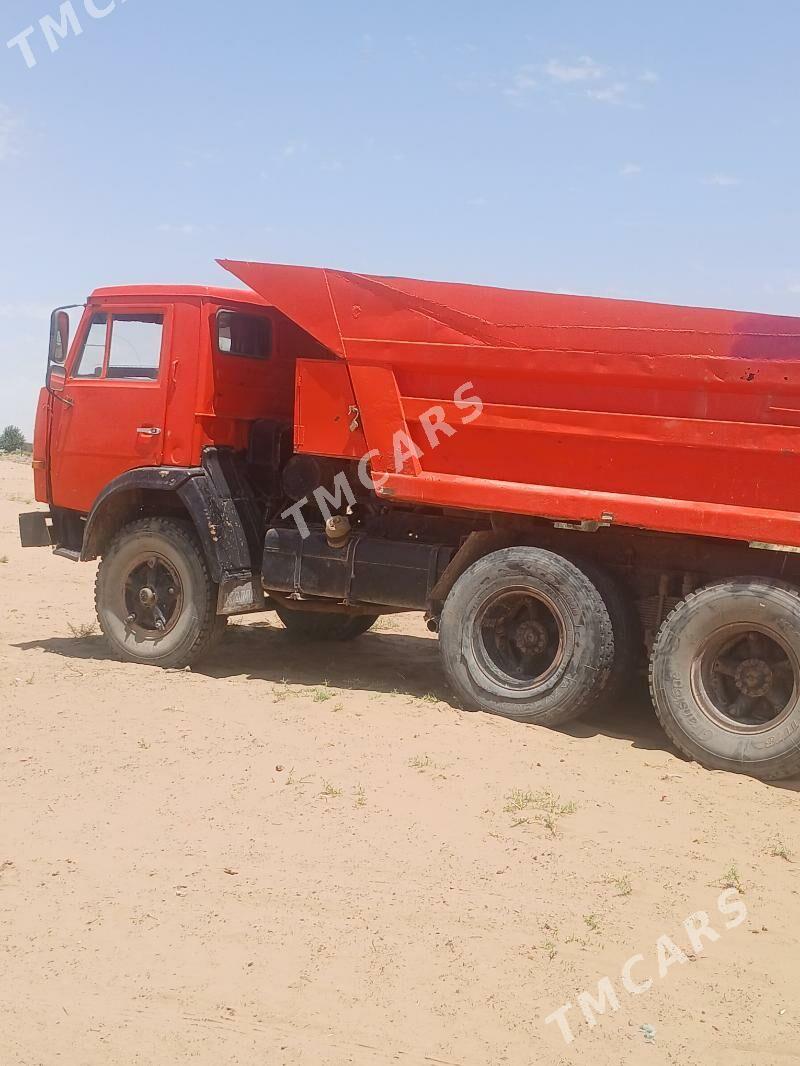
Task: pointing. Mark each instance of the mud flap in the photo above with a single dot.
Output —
(34, 531)
(240, 593)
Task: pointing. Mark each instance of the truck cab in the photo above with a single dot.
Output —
(151, 377)
(170, 404)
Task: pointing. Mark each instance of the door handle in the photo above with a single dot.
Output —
(148, 431)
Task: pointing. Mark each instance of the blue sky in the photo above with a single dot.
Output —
(617, 148)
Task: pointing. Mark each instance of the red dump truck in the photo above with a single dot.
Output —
(567, 487)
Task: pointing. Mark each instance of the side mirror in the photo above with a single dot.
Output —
(56, 378)
(59, 337)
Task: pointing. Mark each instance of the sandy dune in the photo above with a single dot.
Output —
(305, 855)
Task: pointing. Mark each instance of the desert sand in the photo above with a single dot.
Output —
(308, 854)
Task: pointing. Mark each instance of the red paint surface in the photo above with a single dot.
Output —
(670, 418)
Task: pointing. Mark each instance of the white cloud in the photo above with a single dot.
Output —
(583, 76)
(630, 170)
(416, 49)
(584, 69)
(9, 126)
(293, 149)
(523, 82)
(722, 181)
(185, 229)
(609, 94)
(794, 288)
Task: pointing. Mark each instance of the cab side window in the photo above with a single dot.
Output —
(90, 362)
(249, 336)
(133, 344)
(135, 349)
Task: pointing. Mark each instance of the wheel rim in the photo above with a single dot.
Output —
(745, 678)
(153, 596)
(520, 639)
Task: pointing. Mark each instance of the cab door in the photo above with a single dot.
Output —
(110, 416)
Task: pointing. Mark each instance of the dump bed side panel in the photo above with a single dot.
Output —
(678, 419)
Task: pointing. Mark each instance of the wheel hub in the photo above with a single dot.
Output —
(745, 678)
(753, 677)
(520, 638)
(531, 638)
(153, 596)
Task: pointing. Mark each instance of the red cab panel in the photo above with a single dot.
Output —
(110, 416)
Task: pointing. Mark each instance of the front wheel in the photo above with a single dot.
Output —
(155, 598)
(526, 634)
(725, 677)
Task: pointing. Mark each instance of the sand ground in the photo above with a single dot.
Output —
(310, 855)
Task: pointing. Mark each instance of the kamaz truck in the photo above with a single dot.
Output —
(572, 490)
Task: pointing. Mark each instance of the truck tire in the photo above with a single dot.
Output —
(524, 633)
(628, 672)
(321, 625)
(725, 677)
(155, 599)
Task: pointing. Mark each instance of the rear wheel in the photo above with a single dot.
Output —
(628, 671)
(156, 601)
(526, 634)
(323, 625)
(725, 677)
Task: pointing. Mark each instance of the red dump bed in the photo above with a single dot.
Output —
(670, 418)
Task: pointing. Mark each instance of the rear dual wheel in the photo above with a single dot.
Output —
(527, 634)
(725, 677)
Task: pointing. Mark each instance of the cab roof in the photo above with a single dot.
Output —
(161, 292)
